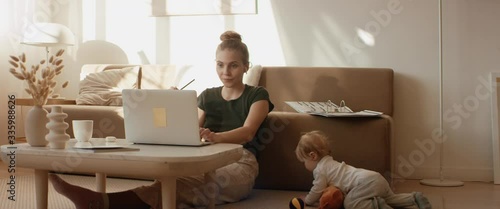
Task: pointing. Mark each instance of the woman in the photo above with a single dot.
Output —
(231, 113)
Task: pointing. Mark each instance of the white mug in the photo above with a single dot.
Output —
(82, 130)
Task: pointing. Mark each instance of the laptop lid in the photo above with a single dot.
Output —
(161, 116)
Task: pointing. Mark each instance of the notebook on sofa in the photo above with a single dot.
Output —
(161, 116)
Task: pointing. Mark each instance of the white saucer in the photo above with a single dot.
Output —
(88, 145)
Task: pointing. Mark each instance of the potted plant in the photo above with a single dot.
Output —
(40, 82)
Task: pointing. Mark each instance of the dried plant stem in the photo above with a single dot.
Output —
(39, 86)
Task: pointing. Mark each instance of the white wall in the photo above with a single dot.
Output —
(324, 33)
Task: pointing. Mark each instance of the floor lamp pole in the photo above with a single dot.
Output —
(441, 182)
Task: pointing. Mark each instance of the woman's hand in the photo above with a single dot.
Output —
(207, 134)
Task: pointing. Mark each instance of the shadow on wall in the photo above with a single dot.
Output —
(100, 52)
(312, 34)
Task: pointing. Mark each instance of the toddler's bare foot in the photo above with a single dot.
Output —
(422, 201)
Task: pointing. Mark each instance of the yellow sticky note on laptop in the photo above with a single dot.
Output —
(160, 117)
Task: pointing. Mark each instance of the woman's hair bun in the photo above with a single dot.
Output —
(230, 35)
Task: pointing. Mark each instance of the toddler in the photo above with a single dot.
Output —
(362, 189)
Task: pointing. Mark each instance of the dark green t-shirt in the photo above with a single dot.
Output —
(222, 115)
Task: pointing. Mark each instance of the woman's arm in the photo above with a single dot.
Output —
(201, 117)
(257, 115)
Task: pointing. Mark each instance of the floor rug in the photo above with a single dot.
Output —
(25, 194)
(276, 199)
(25, 191)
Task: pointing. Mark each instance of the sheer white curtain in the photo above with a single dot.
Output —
(14, 15)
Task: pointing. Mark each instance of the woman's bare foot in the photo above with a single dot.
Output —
(82, 198)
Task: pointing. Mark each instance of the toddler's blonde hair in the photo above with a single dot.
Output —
(313, 141)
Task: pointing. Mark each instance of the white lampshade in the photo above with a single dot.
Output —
(48, 34)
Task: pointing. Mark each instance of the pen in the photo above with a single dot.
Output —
(187, 84)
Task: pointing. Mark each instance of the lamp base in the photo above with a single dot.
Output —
(441, 183)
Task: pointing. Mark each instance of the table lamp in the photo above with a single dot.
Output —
(48, 35)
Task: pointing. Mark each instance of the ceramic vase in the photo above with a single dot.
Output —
(57, 136)
(34, 126)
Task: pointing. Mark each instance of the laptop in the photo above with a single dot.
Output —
(162, 117)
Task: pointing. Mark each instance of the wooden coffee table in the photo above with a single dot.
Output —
(164, 163)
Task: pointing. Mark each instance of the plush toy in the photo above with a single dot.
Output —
(332, 198)
(296, 203)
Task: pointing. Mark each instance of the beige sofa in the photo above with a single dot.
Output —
(360, 141)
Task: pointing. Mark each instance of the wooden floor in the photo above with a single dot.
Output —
(481, 195)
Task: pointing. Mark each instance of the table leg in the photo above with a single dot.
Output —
(41, 188)
(168, 191)
(100, 182)
(210, 178)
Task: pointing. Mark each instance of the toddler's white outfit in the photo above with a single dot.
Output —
(363, 189)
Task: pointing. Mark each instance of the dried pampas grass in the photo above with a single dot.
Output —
(40, 87)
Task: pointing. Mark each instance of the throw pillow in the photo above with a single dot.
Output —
(105, 87)
(252, 76)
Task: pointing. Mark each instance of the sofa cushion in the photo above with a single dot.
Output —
(105, 87)
(252, 76)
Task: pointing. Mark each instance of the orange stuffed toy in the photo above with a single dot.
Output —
(332, 198)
